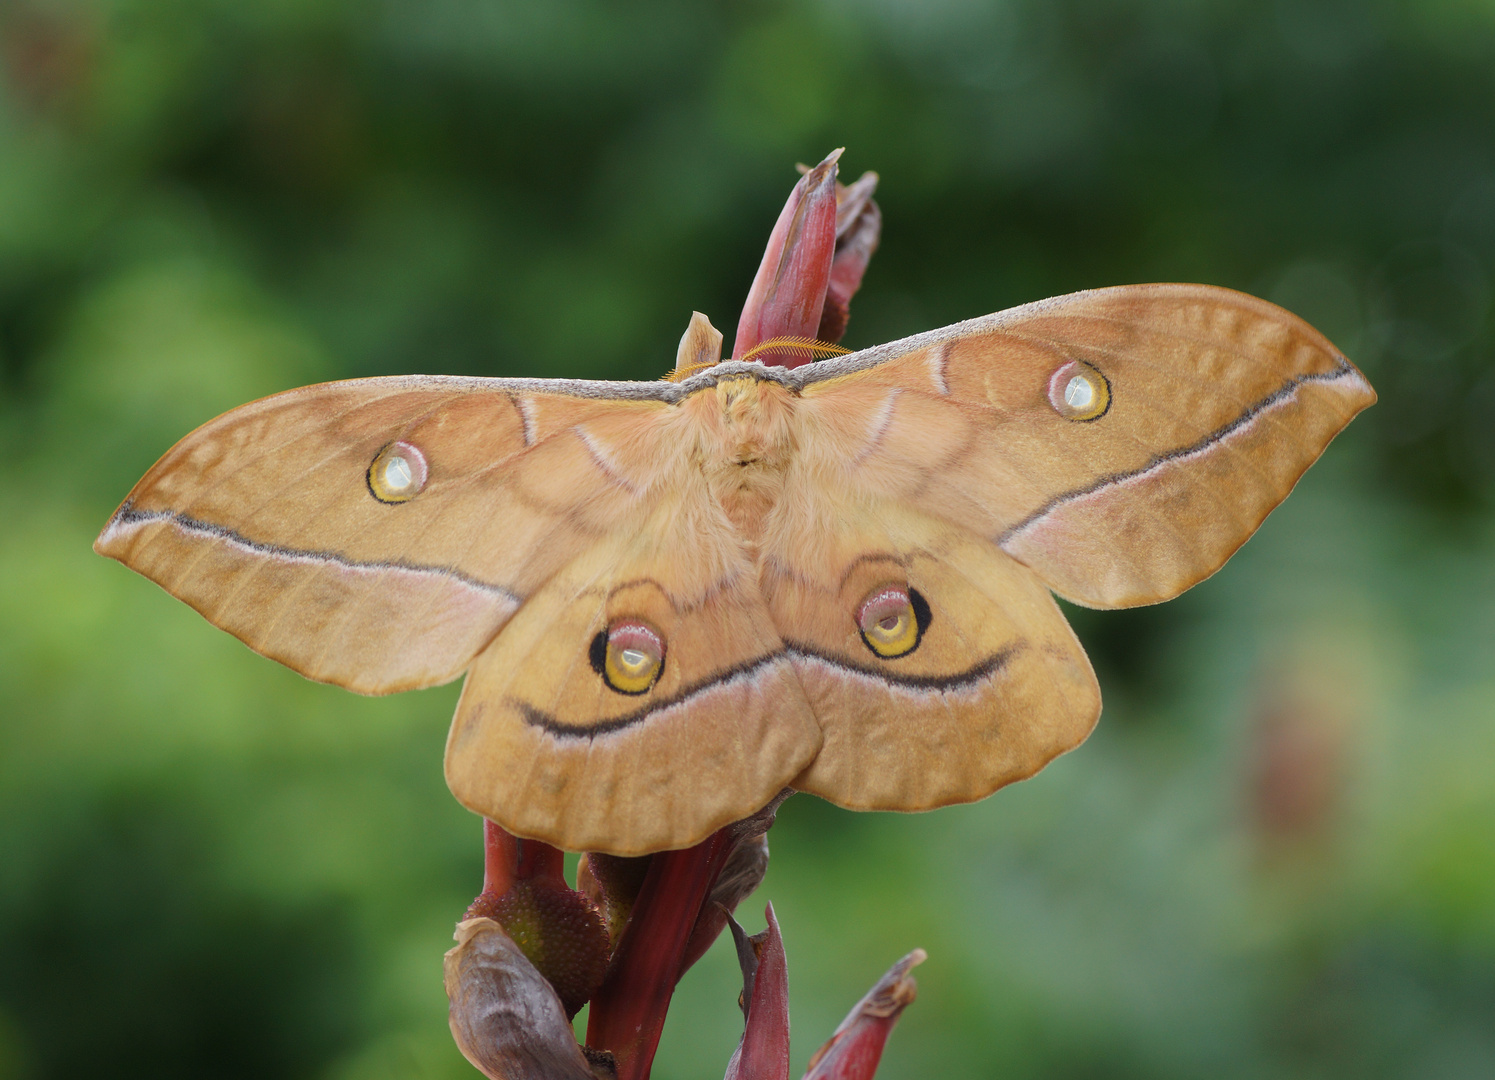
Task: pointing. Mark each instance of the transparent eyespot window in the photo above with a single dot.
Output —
(890, 621)
(629, 656)
(398, 473)
(1078, 391)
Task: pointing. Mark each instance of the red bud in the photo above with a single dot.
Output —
(858, 231)
(763, 1053)
(788, 293)
(855, 1049)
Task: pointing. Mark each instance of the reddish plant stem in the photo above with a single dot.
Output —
(500, 859)
(541, 863)
(628, 1012)
(507, 859)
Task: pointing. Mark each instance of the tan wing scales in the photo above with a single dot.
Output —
(545, 746)
(995, 687)
(264, 520)
(1218, 402)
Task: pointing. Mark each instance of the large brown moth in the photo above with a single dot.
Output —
(674, 599)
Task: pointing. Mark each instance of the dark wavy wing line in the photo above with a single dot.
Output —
(545, 721)
(977, 672)
(128, 517)
(972, 675)
(1283, 393)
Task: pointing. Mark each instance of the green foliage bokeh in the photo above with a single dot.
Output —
(1276, 857)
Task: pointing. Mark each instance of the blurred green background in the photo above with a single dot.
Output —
(1276, 856)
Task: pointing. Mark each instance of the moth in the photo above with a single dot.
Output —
(673, 599)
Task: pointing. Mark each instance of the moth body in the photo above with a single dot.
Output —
(744, 425)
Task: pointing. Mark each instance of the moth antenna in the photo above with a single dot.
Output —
(687, 371)
(816, 348)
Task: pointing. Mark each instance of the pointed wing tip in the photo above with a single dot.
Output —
(110, 541)
(1359, 387)
(1348, 386)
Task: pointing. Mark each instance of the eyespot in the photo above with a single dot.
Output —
(629, 656)
(892, 620)
(1078, 391)
(398, 473)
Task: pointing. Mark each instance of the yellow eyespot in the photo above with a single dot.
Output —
(1078, 391)
(629, 656)
(398, 473)
(892, 621)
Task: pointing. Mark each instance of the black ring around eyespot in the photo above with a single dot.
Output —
(368, 476)
(420, 472)
(597, 656)
(1110, 397)
(633, 693)
(922, 616)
